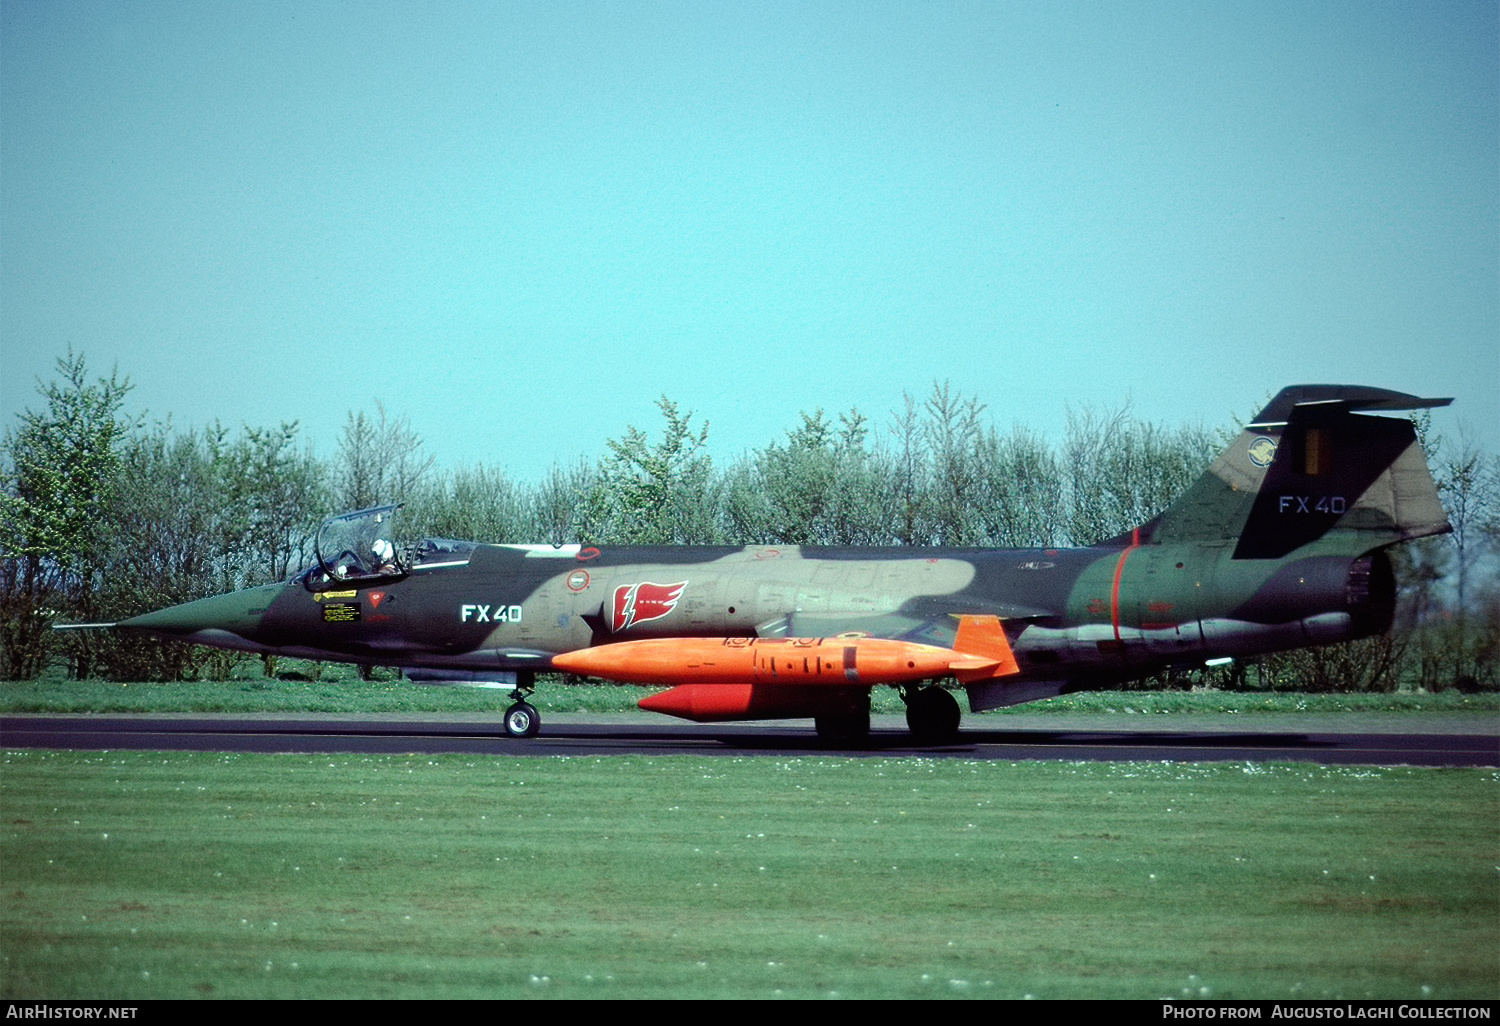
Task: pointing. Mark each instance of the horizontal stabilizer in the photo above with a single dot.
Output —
(1351, 398)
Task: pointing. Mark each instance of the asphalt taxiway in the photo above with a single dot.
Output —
(1368, 739)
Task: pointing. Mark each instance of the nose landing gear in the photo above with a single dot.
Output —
(522, 719)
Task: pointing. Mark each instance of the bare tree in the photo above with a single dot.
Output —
(380, 460)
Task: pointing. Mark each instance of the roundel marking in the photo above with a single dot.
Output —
(1262, 451)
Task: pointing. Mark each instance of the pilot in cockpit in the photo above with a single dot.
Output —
(385, 556)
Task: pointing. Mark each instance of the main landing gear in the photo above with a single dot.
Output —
(932, 714)
(843, 721)
(522, 719)
(843, 730)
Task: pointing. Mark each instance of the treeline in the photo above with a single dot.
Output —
(104, 516)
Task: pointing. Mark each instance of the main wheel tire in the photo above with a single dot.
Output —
(932, 715)
(521, 720)
(843, 730)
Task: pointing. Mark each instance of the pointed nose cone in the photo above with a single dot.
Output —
(238, 613)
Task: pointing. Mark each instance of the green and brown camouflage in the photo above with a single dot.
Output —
(1280, 544)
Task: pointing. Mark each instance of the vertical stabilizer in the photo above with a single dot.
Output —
(1314, 465)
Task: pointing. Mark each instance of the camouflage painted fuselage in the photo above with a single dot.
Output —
(1278, 545)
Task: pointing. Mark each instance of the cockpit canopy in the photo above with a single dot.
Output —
(358, 546)
(361, 548)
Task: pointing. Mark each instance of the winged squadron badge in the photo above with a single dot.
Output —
(1262, 451)
(644, 602)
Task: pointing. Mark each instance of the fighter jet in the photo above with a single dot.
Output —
(1282, 543)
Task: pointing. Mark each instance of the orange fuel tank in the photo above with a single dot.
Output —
(713, 703)
(826, 661)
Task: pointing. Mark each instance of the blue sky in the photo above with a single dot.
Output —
(519, 224)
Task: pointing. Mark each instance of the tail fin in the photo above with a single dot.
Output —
(1311, 466)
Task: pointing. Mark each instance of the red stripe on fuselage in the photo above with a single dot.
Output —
(1114, 594)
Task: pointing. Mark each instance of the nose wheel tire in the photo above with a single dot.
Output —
(521, 720)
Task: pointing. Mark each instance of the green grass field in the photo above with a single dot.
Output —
(178, 875)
